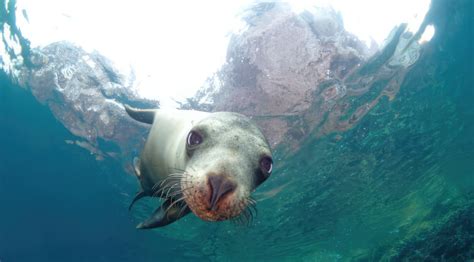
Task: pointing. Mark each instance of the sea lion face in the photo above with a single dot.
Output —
(228, 157)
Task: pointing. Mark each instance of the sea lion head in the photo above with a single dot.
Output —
(227, 159)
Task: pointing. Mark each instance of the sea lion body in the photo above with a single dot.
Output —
(207, 163)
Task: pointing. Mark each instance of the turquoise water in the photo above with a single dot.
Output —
(399, 185)
(58, 203)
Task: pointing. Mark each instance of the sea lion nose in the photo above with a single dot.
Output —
(219, 186)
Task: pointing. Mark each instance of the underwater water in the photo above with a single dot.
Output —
(397, 186)
(58, 203)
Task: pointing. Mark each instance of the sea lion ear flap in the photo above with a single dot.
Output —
(141, 115)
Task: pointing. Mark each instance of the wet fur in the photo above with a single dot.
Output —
(167, 169)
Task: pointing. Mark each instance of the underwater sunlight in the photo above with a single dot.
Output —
(330, 130)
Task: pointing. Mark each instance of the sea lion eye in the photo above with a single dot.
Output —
(194, 138)
(266, 165)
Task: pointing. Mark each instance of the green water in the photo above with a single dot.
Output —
(397, 186)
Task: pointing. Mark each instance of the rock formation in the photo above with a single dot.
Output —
(85, 92)
(295, 72)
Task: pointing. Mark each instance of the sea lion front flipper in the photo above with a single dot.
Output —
(137, 197)
(141, 194)
(164, 215)
(146, 116)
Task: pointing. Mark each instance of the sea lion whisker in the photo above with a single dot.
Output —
(251, 211)
(155, 193)
(252, 215)
(167, 179)
(172, 175)
(251, 200)
(169, 190)
(160, 183)
(170, 185)
(162, 190)
(177, 169)
(174, 179)
(183, 208)
(177, 175)
(173, 203)
(180, 191)
(252, 206)
(239, 217)
(246, 217)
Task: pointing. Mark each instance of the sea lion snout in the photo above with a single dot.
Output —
(219, 187)
(213, 195)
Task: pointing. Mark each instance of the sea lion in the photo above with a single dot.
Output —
(205, 163)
